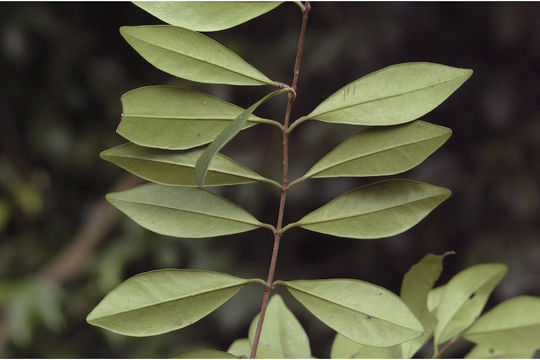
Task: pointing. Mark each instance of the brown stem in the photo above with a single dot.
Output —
(439, 353)
(277, 235)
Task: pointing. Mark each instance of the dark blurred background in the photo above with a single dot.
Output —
(63, 68)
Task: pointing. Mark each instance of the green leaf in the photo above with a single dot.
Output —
(282, 336)
(172, 117)
(343, 348)
(363, 312)
(182, 212)
(486, 352)
(206, 15)
(178, 167)
(513, 325)
(227, 135)
(240, 347)
(394, 95)
(464, 298)
(416, 285)
(160, 301)
(434, 298)
(205, 354)
(377, 210)
(192, 56)
(381, 151)
(30, 302)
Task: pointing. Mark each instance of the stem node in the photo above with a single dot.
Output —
(269, 287)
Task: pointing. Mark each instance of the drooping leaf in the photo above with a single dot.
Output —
(381, 151)
(363, 312)
(394, 95)
(240, 347)
(206, 15)
(160, 301)
(416, 285)
(464, 298)
(434, 298)
(175, 118)
(486, 352)
(192, 56)
(205, 354)
(182, 212)
(343, 348)
(178, 167)
(201, 168)
(282, 336)
(377, 210)
(511, 326)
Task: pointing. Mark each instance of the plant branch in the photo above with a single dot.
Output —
(439, 353)
(277, 234)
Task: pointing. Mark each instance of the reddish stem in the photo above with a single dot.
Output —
(277, 236)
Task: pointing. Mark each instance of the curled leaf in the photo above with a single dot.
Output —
(176, 118)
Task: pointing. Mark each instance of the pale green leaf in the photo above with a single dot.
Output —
(182, 212)
(381, 151)
(416, 285)
(377, 210)
(178, 167)
(487, 352)
(205, 354)
(434, 298)
(240, 347)
(363, 312)
(160, 301)
(172, 117)
(343, 348)
(201, 168)
(282, 336)
(510, 326)
(394, 95)
(192, 56)
(206, 15)
(464, 298)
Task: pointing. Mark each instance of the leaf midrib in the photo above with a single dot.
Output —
(367, 213)
(204, 61)
(172, 300)
(191, 211)
(213, 118)
(384, 97)
(221, 172)
(347, 160)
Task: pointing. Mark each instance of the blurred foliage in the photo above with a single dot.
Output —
(64, 67)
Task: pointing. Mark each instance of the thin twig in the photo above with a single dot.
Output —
(439, 353)
(277, 235)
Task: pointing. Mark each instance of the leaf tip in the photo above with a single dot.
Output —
(123, 30)
(103, 155)
(110, 198)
